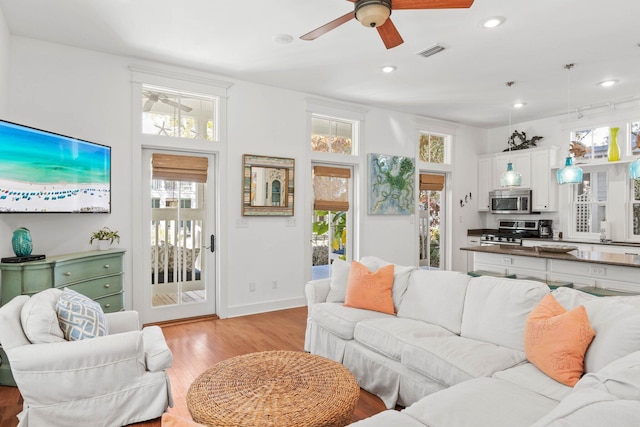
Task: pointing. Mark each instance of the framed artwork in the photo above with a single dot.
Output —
(391, 185)
(267, 186)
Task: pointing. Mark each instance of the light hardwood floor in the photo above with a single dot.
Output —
(198, 345)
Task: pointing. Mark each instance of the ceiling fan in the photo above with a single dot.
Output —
(153, 97)
(375, 14)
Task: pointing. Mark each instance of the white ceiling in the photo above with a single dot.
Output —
(465, 83)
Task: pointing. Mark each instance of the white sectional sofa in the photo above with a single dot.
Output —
(454, 353)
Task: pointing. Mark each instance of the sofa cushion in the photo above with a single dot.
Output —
(401, 276)
(592, 408)
(556, 340)
(532, 378)
(387, 418)
(620, 378)
(80, 317)
(39, 319)
(482, 402)
(454, 359)
(496, 309)
(338, 283)
(570, 298)
(435, 297)
(617, 326)
(341, 320)
(388, 336)
(370, 290)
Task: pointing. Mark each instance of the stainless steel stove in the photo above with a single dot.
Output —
(510, 232)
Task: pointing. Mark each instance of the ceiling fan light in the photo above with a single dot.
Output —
(373, 13)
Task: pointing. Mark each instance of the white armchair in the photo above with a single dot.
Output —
(113, 380)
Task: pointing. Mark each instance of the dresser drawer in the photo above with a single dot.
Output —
(112, 303)
(100, 287)
(70, 272)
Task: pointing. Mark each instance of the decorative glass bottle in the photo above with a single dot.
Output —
(21, 242)
(613, 154)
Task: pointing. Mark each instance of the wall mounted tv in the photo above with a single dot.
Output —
(43, 171)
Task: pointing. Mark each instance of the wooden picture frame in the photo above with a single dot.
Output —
(267, 185)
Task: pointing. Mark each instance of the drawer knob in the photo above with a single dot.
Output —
(107, 266)
(68, 273)
(107, 286)
(107, 306)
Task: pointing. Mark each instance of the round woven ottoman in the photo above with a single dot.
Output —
(274, 388)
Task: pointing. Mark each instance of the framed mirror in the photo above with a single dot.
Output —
(267, 186)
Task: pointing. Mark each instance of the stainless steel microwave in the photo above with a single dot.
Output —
(515, 201)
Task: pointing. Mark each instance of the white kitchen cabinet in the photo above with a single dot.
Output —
(485, 176)
(543, 182)
(521, 161)
(537, 167)
(471, 241)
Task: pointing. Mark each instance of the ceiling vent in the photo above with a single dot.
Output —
(431, 51)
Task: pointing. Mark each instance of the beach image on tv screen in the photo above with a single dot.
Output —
(45, 172)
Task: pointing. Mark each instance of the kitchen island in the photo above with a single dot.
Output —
(590, 269)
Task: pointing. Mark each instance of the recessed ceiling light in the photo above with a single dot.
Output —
(607, 83)
(492, 22)
(388, 69)
(283, 38)
(519, 104)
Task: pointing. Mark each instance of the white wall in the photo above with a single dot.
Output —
(88, 95)
(4, 65)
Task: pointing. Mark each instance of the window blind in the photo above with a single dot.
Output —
(431, 182)
(179, 168)
(331, 188)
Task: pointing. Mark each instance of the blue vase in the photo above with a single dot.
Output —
(21, 242)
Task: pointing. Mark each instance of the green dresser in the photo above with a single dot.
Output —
(96, 274)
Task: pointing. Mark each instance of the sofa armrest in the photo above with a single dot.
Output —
(316, 291)
(122, 321)
(95, 367)
(157, 355)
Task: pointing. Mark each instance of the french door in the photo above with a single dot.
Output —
(431, 221)
(180, 235)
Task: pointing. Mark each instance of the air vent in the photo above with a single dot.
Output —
(431, 51)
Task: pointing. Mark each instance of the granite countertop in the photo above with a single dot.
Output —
(624, 260)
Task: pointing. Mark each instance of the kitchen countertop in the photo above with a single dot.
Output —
(594, 257)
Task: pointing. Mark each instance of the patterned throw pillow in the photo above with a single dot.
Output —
(80, 317)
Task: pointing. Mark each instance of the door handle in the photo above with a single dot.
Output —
(212, 247)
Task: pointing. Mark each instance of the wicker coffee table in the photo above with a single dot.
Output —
(274, 388)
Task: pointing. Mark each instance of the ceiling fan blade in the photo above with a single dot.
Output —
(389, 34)
(430, 4)
(328, 27)
(176, 105)
(147, 105)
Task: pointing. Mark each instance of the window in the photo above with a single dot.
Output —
(635, 208)
(590, 143)
(178, 114)
(590, 202)
(635, 138)
(432, 148)
(329, 135)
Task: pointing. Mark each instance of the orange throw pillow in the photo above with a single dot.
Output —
(370, 291)
(556, 340)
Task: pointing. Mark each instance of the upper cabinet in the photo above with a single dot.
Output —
(536, 166)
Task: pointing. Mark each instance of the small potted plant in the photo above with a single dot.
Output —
(105, 237)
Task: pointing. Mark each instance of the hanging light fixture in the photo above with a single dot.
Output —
(569, 174)
(510, 178)
(634, 169)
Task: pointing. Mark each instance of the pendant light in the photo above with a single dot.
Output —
(510, 178)
(569, 174)
(634, 169)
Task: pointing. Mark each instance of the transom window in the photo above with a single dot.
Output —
(432, 148)
(330, 135)
(178, 114)
(591, 143)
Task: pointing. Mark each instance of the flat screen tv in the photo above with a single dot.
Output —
(43, 171)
